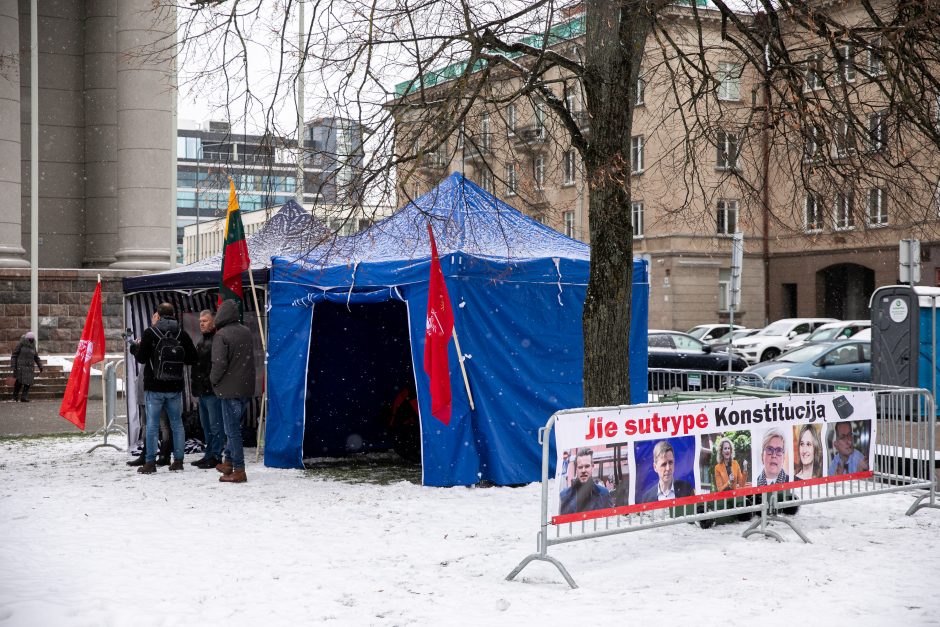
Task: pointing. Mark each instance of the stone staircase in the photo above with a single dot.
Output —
(50, 384)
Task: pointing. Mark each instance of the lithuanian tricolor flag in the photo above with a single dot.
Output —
(235, 253)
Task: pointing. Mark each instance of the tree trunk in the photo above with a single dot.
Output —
(615, 37)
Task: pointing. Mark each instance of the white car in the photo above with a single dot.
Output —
(772, 339)
(709, 333)
(831, 332)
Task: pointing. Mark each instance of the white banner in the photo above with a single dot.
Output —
(622, 460)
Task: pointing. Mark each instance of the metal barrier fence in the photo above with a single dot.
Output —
(904, 459)
(109, 398)
(663, 381)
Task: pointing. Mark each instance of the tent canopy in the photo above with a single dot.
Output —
(291, 231)
(347, 329)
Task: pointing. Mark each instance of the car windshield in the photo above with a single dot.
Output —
(778, 328)
(824, 334)
(805, 353)
(698, 332)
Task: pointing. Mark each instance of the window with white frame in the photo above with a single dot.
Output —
(813, 143)
(540, 119)
(638, 210)
(570, 165)
(845, 66)
(729, 80)
(724, 289)
(812, 213)
(877, 132)
(876, 62)
(571, 98)
(639, 94)
(511, 119)
(727, 157)
(511, 179)
(538, 170)
(485, 128)
(844, 137)
(727, 217)
(813, 72)
(877, 207)
(568, 220)
(844, 218)
(636, 154)
(486, 180)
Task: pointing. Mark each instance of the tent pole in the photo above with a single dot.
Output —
(466, 382)
(264, 349)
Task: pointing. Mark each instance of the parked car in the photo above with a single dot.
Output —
(675, 350)
(721, 344)
(846, 360)
(773, 338)
(709, 333)
(833, 331)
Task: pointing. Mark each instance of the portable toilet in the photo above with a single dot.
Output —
(904, 335)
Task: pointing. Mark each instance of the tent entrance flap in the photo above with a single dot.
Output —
(360, 359)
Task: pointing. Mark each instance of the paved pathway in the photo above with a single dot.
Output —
(41, 417)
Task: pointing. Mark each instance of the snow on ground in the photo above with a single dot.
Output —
(85, 540)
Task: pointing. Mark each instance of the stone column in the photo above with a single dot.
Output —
(12, 253)
(101, 138)
(145, 101)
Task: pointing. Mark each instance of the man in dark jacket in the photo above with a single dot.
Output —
(233, 379)
(210, 405)
(160, 391)
(584, 494)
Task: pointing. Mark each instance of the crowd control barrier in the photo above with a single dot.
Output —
(902, 458)
(664, 381)
(109, 397)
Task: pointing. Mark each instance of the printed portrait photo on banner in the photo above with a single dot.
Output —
(725, 461)
(665, 469)
(772, 455)
(807, 452)
(592, 478)
(848, 446)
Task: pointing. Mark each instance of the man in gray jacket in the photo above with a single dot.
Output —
(233, 379)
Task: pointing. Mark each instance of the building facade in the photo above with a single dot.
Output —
(703, 169)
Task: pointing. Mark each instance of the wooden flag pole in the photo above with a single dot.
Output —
(262, 420)
(463, 369)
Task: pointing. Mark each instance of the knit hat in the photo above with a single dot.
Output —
(30, 335)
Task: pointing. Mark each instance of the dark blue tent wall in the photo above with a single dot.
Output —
(517, 289)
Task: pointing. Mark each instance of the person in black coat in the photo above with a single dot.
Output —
(210, 405)
(22, 361)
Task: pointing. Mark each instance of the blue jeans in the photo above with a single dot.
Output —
(232, 410)
(210, 415)
(173, 403)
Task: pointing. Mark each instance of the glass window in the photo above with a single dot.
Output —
(724, 289)
(539, 110)
(877, 132)
(729, 80)
(846, 63)
(511, 179)
(568, 218)
(660, 340)
(511, 119)
(639, 218)
(570, 163)
(876, 64)
(485, 132)
(639, 96)
(812, 72)
(813, 142)
(844, 138)
(844, 215)
(686, 343)
(727, 217)
(636, 154)
(727, 157)
(486, 180)
(877, 207)
(538, 170)
(812, 215)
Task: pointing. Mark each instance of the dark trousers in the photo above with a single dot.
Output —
(17, 386)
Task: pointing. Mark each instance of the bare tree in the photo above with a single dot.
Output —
(817, 120)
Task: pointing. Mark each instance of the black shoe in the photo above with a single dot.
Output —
(147, 469)
(163, 461)
(210, 462)
(139, 461)
(199, 463)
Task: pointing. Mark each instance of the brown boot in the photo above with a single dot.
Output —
(225, 468)
(236, 476)
(147, 469)
(176, 465)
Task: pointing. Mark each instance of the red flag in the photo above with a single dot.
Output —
(234, 252)
(90, 351)
(438, 328)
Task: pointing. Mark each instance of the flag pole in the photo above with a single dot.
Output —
(463, 369)
(264, 349)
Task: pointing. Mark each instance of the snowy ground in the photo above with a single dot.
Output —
(84, 540)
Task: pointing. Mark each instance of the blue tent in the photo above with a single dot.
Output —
(347, 330)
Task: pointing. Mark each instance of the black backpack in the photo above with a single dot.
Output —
(168, 356)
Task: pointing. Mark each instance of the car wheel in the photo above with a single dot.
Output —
(769, 354)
